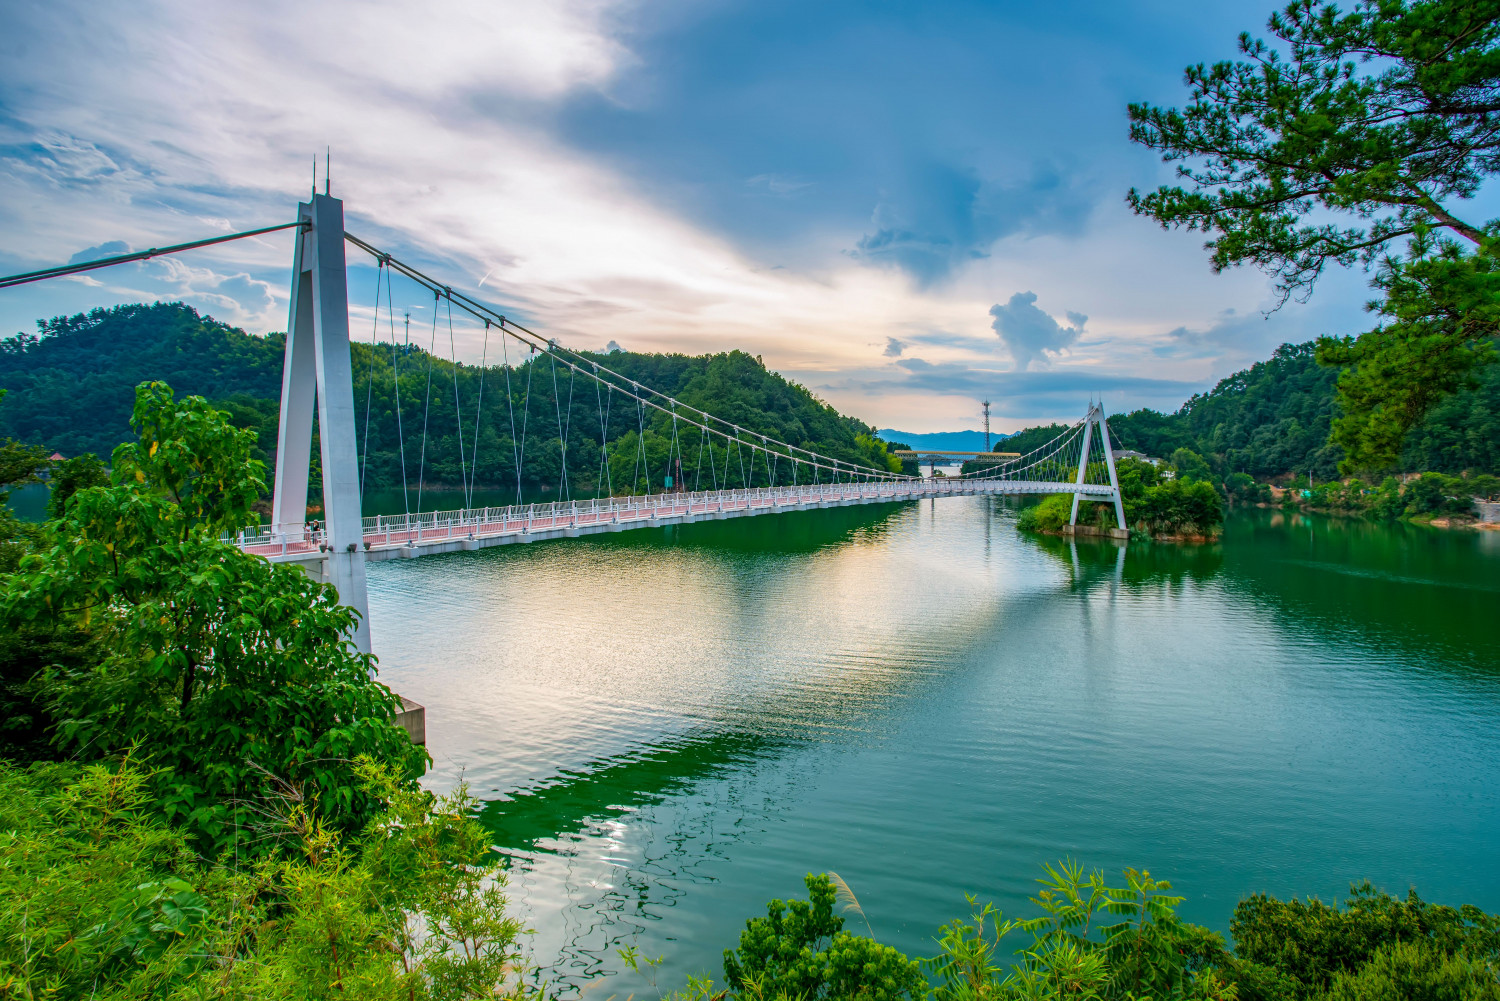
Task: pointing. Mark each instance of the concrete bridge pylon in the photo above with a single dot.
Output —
(316, 371)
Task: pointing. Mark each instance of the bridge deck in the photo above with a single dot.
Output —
(404, 536)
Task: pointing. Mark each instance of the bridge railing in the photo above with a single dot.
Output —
(415, 528)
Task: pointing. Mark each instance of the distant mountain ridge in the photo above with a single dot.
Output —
(943, 441)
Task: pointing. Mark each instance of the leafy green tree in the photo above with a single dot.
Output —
(1365, 132)
(234, 673)
(1444, 308)
(1189, 465)
(70, 476)
(800, 950)
(1385, 114)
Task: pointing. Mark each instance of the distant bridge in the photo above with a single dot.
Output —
(912, 453)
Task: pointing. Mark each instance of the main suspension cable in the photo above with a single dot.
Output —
(606, 375)
(64, 270)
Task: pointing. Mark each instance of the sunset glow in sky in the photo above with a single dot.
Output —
(905, 207)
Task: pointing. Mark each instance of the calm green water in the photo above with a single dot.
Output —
(672, 726)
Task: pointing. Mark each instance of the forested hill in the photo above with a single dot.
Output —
(71, 388)
(1269, 419)
(1273, 418)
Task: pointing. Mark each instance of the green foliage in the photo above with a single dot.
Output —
(1048, 516)
(1241, 488)
(19, 464)
(1032, 438)
(1415, 970)
(1436, 494)
(1485, 487)
(189, 456)
(70, 476)
(260, 416)
(1168, 507)
(27, 653)
(1384, 114)
(72, 389)
(1444, 308)
(1178, 507)
(1275, 418)
(800, 950)
(233, 673)
(1429, 495)
(72, 384)
(1189, 465)
(1461, 432)
(98, 898)
(1375, 946)
(1276, 147)
(1268, 420)
(1153, 505)
(1092, 941)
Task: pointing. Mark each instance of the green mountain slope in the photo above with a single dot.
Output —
(1272, 419)
(72, 384)
(71, 387)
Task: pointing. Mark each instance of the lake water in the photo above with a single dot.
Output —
(671, 726)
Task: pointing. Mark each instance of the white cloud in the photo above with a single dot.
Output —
(1030, 334)
(157, 122)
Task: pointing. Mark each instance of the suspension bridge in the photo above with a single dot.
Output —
(735, 472)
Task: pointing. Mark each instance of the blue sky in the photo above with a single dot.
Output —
(906, 207)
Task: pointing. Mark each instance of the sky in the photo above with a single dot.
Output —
(905, 207)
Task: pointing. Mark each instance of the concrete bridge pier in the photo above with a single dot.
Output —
(316, 372)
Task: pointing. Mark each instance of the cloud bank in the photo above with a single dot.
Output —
(1030, 334)
(772, 176)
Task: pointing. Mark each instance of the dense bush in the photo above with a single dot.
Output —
(800, 950)
(1091, 941)
(1434, 493)
(1048, 516)
(134, 626)
(100, 898)
(1153, 504)
(1376, 946)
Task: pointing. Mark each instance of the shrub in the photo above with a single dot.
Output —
(100, 899)
(800, 950)
(236, 675)
(1048, 516)
(1314, 944)
(1436, 494)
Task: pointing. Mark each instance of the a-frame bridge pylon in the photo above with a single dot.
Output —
(317, 370)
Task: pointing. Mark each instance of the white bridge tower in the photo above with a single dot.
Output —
(1096, 419)
(317, 370)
